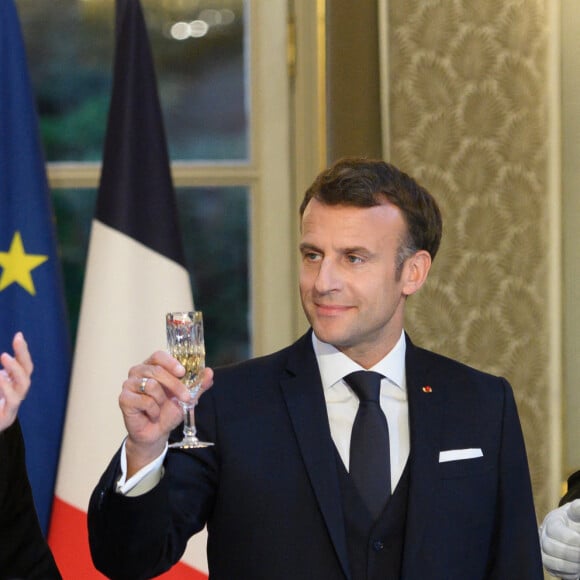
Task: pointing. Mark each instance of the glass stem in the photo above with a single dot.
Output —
(189, 422)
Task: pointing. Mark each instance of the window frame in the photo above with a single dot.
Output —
(267, 175)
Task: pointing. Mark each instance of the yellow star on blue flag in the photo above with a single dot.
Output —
(17, 265)
(32, 298)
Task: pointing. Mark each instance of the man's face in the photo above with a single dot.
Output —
(350, 292)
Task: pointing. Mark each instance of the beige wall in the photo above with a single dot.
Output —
(472, 98)
(571, 227)
(473, 115)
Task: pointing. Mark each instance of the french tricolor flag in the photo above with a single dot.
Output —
(135, 274)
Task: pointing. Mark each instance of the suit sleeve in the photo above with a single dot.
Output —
(24, 552)
(141, 537)
(517, 550)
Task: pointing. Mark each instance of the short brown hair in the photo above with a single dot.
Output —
(367, 182)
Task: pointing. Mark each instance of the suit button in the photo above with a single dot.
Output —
(378, 545)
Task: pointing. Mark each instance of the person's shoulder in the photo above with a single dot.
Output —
(451, 367)
(464, 385)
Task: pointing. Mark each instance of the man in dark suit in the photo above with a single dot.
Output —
(285, 492)
(24, 553)
(560, 534)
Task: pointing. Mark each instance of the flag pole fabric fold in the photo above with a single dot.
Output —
(135, 274)
(31, 289)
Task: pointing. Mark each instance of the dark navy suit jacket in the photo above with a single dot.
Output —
(269, 489)
(24, 553)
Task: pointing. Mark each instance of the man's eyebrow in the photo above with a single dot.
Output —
(356, 250)
(306, 246)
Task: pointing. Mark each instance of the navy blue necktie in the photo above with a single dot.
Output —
(370, 465)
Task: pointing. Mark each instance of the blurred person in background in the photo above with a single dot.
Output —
(560, 534)
(24, 553)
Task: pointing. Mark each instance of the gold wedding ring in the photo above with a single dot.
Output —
(143, 385)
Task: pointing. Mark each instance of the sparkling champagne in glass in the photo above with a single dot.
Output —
(185, 342)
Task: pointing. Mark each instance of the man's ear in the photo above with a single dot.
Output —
(415, 271)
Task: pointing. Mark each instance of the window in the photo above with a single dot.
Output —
(224, 92)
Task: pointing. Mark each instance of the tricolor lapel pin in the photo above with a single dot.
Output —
(427, 389)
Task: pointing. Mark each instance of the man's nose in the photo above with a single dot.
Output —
(328, 277)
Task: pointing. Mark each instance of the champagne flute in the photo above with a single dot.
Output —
(185, 342)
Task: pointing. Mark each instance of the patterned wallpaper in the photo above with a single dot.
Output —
(468, 118)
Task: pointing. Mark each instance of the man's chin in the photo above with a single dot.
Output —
(329, 336)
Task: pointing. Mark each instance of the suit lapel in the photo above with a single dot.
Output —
(426, 395)
(307, 409)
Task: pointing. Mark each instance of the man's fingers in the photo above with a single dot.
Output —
(557, 529)
(22, 354)
(14, 382)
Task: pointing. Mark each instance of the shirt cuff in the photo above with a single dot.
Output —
(142, 481)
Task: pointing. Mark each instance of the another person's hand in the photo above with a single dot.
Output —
(149, 406)
(560, 541)
(15, 372)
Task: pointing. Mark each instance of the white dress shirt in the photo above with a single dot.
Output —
(342, 403)
(341, 406)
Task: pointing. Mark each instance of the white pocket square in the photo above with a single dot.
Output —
(459, 454)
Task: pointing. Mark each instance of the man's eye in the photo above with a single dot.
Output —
(311, 256)
(354, 259)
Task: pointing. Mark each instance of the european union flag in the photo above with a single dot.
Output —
(31, 293)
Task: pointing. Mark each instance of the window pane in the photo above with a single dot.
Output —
(215, 228)
(199, 51)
